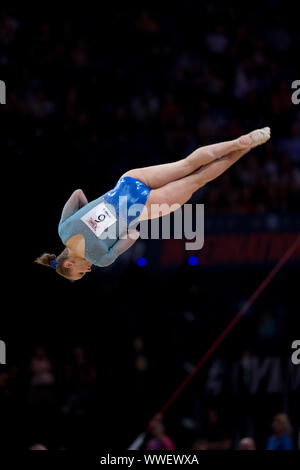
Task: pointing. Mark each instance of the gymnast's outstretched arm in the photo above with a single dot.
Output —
(74, 203)
(118, 248)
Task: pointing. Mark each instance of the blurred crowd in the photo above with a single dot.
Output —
(103, 392)
(216, 437)
(57, 394)
(169, 82)
(44, 392)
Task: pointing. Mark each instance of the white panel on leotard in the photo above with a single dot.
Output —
(99, 219)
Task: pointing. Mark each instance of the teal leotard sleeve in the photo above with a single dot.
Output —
(116, 250)
(73, 204)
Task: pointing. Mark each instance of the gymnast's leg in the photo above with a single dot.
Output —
(168, 198)
(159, 175)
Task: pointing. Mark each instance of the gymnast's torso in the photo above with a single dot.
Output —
(95, 229)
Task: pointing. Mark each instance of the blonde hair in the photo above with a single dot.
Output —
(285, 420)
(46, 259)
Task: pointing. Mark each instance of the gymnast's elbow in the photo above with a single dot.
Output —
(78, 192)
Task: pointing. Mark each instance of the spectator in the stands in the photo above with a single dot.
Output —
(214, 434)
(159, 440)
(247, 443)
(281, 433)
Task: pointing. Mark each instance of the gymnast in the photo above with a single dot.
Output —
(83, 225)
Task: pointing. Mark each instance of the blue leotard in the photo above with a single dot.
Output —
(76, 220)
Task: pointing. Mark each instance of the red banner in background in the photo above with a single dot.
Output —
(265, 247)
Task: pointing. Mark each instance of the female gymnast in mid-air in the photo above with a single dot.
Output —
(83, 224)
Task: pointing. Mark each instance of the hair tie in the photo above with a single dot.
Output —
(53, 264)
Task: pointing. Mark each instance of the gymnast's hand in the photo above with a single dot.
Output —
(133, 234)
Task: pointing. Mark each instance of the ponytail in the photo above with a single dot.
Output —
(45, 259)
(48, 260)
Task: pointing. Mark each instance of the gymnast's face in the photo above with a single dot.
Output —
(278, 424)
(78, 268)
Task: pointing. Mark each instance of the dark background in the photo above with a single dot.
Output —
(92, 91)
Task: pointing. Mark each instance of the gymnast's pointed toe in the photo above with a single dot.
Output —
(260, 136)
